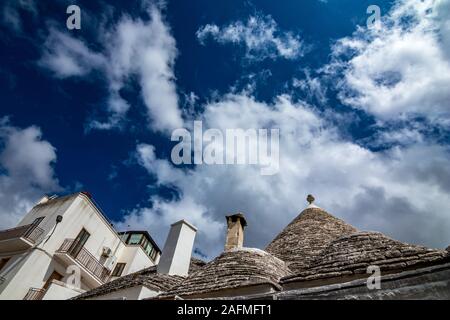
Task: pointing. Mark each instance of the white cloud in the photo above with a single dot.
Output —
(401, 68)
(312, 87)
(26, 171)
(394, 191)
(133, 47)
(67, 57)
(148, 50)
(260, 36)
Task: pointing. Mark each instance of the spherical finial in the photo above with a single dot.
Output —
(310, 198)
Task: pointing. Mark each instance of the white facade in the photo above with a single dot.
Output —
(43, 261)
(175, 260)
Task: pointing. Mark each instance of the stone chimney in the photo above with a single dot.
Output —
(235, 231)
(176, 255)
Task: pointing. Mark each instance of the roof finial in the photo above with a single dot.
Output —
(310, 198)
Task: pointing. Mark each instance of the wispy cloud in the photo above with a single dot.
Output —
(260, 35)
(68, 57)
(11, 10)
(133, 47)
(312, 87)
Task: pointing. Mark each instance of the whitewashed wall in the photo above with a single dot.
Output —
(78, 212)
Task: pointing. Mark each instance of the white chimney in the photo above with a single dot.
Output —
(43, 200)
(176, 255)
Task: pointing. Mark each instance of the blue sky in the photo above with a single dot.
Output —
(363, 113)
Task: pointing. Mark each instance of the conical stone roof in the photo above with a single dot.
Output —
(350, 256)
(233, 269)
(306, 236)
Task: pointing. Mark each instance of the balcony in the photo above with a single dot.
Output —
(34, 294)
(91, 269)
(20, 238)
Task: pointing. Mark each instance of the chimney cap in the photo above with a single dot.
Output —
(182, 221)
(240, 216)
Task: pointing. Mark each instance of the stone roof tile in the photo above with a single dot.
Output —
(306, 236)
(240, 267)
(352, 254)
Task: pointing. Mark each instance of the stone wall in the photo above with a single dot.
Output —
(423, 284)
(427, 283)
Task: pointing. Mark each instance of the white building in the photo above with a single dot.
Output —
(65, 246)
(173, 268)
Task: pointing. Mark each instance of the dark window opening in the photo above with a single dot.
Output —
(37, 221)
(79, 242)
(117, 272)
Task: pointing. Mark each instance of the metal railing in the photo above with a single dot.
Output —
(85, 259)
(34, 294)
(30, 232)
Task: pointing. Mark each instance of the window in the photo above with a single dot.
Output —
(149, 250)
(142, 240)
(124, 237)
(3, 262)
(135, 238)
(37, 221)
(153, 255)
(117, 272)
(32, 228)
(79, 242)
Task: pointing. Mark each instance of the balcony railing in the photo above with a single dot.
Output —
(85, 258)
(34, 294)
(30, 232)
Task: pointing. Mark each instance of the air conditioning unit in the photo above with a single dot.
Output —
(106, 252)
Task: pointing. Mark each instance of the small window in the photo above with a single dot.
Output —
(125, 237)
(37, 221)
(135, 239)
(149, 249)
(153, 255)
(117, 272)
